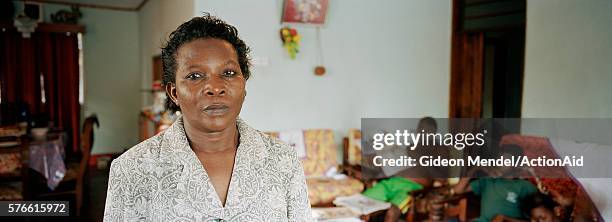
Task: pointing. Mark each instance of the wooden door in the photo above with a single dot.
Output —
(466, 75)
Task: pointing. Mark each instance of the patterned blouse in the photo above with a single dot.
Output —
(161, 179)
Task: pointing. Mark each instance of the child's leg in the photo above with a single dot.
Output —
(378, 192)
(394, 190)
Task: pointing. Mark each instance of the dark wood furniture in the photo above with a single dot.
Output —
(75, 177)
(436, 201)
(21, 176)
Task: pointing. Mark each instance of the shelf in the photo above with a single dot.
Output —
(46, 27)
(13, 149)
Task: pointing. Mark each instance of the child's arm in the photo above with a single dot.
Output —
(463, 186)
(464, 183)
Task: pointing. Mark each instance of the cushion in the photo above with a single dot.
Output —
(8, 192)
(322, 191)
(10, 163)
(567, 185)
(320, 151)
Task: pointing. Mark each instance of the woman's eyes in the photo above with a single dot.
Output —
(197, 75)
(194, 76)
(229, 73)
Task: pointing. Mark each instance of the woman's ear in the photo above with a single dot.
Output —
(171, 91)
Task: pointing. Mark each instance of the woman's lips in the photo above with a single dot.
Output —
(216, 109)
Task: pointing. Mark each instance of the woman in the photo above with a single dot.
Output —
(209, 165)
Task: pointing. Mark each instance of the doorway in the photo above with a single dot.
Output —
(487, 59)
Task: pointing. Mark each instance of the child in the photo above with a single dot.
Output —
(500, 198)
(542, 208)
(396, 190)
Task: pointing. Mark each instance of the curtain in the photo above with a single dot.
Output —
(54, 57)
(18, 72)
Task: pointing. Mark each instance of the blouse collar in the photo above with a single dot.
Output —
(175, 145)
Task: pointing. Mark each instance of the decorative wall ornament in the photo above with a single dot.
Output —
(291, 41)
(33, 10)
(25, 25)
(28, 18)
(305, 13)
(67, 17)
(311, 12)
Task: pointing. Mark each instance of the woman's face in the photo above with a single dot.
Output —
(210, 87)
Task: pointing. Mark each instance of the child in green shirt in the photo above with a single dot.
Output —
(501, 197)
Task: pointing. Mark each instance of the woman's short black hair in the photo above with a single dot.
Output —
(203, 27)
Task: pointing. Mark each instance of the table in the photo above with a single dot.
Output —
(47, 158)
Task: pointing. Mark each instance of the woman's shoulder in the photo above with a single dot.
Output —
(258, 138)
(281, 156)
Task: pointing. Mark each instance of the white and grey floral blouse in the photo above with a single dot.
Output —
(161, 179)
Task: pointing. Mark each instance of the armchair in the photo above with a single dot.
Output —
(320, 157)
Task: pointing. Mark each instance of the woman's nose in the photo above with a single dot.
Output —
(215, 87)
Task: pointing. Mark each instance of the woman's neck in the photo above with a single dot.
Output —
(203, 142)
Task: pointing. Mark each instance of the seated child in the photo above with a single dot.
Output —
(501, 198)
(396, 190)
(542, 208)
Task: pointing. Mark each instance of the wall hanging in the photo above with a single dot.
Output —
(307, 13)
(291, 40)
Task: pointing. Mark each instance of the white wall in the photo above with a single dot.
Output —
(118, 51)
(568, 72)
(157, 19)
(111, 73)
(382, 60)
(568, 59)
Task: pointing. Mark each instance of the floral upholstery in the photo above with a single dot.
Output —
(320, 158)
(320, 152)
(354, 147)
(563, 182)
(10, 192)
(323, 191)
(10, 163)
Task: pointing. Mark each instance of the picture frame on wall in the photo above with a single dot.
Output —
(306, 12)
(33, 10)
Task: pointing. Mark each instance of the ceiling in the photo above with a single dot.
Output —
(124, 5)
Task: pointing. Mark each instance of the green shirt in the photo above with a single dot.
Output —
(501, 196)
(394, 190)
